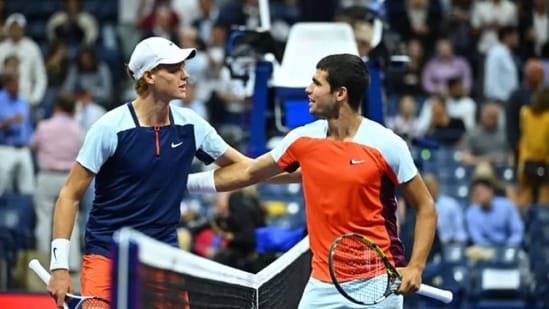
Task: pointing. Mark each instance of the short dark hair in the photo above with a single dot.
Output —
(349, 71)
(66, 103)
(540, 101)
(454, 81)
(504, 31)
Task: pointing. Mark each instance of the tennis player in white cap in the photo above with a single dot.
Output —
(140, 155)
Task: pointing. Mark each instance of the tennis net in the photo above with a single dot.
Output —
(151, 274)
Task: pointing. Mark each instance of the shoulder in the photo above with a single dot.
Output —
(376, 135)
(316, 129)
(30, 44)
(185, 116)
(503, 202)
(472, 211)
(116, 120)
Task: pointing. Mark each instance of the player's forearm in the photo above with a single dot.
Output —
(228, 178)
(64, 216)
(426, 221)
(285, 177)
(234, 177)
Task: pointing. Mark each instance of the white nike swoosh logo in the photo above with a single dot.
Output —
(176, 145)
(354, 162)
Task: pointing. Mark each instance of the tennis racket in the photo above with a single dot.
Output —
(84, 302)
(362, 273)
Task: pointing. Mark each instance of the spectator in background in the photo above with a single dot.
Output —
(533, 79)
(405, 123)
(55, 158)
(487, 19)
(92, 74)
(237, 227)
(444, 66)
(16, 166)
(32, 72)
(198, 68)
(458, 27)
(419, 19)
(187, 11)
(534, 151)
(534, 28)
(406, 79)
(86, 111)
(3, 18)
(209, 14)
(444, 129)
(11, 64)
(500, 70)
(162, 21)
(492, 220)
(451, 223)
(460, 104)
(73, 26)
(57, 65)
(486, 142)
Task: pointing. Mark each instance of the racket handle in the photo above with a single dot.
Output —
(44, 275)
(444, 296)
(40, 271)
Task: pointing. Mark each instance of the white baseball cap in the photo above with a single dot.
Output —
(151, 52)
(16, 18)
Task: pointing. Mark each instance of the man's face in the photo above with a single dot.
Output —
(15, 32)
(444, 49)
(170, 81)
(489, 117)
(321, 99)
(482, 194)
(12, 86)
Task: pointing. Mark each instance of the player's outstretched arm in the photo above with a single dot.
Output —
(235, 176)
(232, 156)
(63, 221)
(418, 196)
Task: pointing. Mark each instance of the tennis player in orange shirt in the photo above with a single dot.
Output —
(350, 168)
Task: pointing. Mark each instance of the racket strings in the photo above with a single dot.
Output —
(360, 271)
(93, 303)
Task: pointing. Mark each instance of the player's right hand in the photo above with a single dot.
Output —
(60, 284)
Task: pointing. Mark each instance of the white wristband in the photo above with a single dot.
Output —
(59, 258)
(201, 182)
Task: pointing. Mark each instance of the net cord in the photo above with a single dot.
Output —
(163, 256)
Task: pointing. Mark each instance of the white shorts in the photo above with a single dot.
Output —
(319, 294)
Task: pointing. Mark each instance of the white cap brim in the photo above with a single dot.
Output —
(154, 51)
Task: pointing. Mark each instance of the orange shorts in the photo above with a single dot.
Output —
(95, 279)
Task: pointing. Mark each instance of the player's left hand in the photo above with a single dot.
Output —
(411, 279)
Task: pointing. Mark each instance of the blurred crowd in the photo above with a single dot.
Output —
(475, 84)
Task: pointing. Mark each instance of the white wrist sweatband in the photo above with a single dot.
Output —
(59, 258)
(202, 182)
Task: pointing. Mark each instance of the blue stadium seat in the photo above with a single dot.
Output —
(8, 252)
(499, 281)
(17, 215)
(277, 239)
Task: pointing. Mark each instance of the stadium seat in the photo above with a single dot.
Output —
(295, 70)
(8, 252)
(277, 239)
(499, 281)
(17, 215)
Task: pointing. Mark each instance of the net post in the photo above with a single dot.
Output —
(124, 272)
